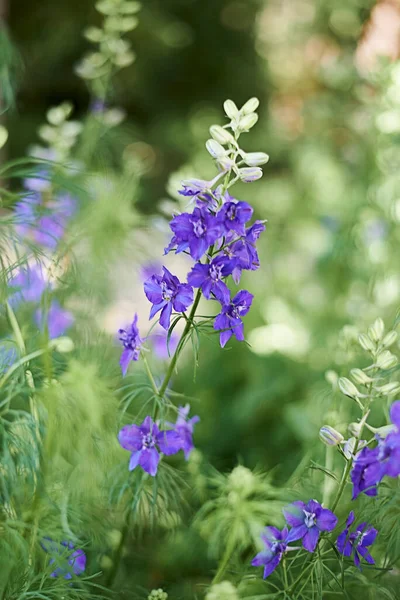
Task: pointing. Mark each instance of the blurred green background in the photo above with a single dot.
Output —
(329, 121)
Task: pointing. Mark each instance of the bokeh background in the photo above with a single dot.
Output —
(328, 81)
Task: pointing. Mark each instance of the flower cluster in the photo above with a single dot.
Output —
(372, 464)
(146, 441)
(307, 522)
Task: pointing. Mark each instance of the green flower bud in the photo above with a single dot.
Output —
(242, 481)
(93, 34)
(255, 159)
(366, 343)
(389, 339)
(250, 106)
(221, 135)
(215, 149)
(347, 388)
(360, 377)
(386, 360)
(231, 109)
(157, 595)
(329, 436)
(389, 388)
(105, 7)
(3, 136)
(62, 344)
(375, 332)
(222, 591)
(247, 122)
(130, 7)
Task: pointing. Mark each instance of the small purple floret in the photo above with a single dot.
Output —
(58, 320)
(69, 560)
(131, 341)
(356, 542)
(167, 293)
(229, 321)
(275, 542)
(307, 522)
(184, 428)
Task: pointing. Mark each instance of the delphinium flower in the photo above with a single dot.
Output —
(357, 541)
(58, 319)
(132, 342)
(234, 215)
(229, 321)
(307, 522)
(69, 560)
(184, 428)
(167, 293)
(162, 346)
(196, 188)
(244, 250)
(44, 220)
(195, 231)
(209, 276)
(30, 283)
(145, 442)
(275, 542)
(372, 464)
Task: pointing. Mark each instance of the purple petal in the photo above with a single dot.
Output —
(294, 514)
(78, 562)
(296, 533)
(152, 289)
(149, 459)
(369, 536)
(326, 520)
(262, 558)
(165, 317)
(271, 566)
(183, 298)
(224, 337)
(343, 544)
(310, 539)
(169, 442)
(365, 554)
(357, 560)
(134, 461)
(350, 518)
(395, 413)
(197, 275)
(124, 361)
(130, 437)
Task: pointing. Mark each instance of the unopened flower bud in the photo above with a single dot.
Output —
(157, 595)
(255, 159)
(225, 163)
(375, 332)
(366, 343)
(222, 591)
(360, 377)
(250, 106)
(249, 174)
(389, 388)
(231, 109)
(347, 388)
(247, 122)
(386, 360)
(221, 135)
(329, 436)
(215, 149)
(62, 344)
(389, 339)
(355, 429)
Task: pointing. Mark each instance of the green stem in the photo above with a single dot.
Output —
(118, 554)
(224, 562)
(150, 375)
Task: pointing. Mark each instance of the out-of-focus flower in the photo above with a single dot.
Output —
(275, 542)
(163, 348)
(167, 293)
(356, 542)
(59, 320)
(69, 560)
(142, 441)
(308, 521)
(222, 591)
(30, 283)
(131, 341)
(184, 428)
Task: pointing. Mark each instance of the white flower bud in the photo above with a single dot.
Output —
(386, 360)
(389, 388)
(250, 106)
(62, 344)
(360, 377)
(225, 163)
(375, 332)
(3, 136)
(366, 343)
(249, 174)
(389, 339)
(355, 429)
(215, 149)
(255, 159)
(329, 436)
(221, 135)
(231, 109)
(247, 122)
(347, 388)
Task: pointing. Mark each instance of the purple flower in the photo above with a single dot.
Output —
(58, 320)
(142, 441)
(69, 561)
(162, 349)
(149, 269)
(30, 284)
(184, 428)
(131, 341)
(366, 472)
(196, 232)
(307, 522)
(197, 187)
(234, 215)
(245, 251)
(275, 542)
(42, 221)
(230, 318)
(357, 541)
(167, 293)
(209, 276)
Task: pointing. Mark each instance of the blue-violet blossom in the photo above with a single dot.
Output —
(196, 231)
(184, 428)
(356, 542)
(131, 341)
(229, 320)
(69, 561)
(58, 320)
(209, 276)
(167, 293)
(275, 542)
(307, 522)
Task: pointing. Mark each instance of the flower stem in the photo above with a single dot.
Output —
(223, 564)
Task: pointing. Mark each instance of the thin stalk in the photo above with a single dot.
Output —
(223, 564)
